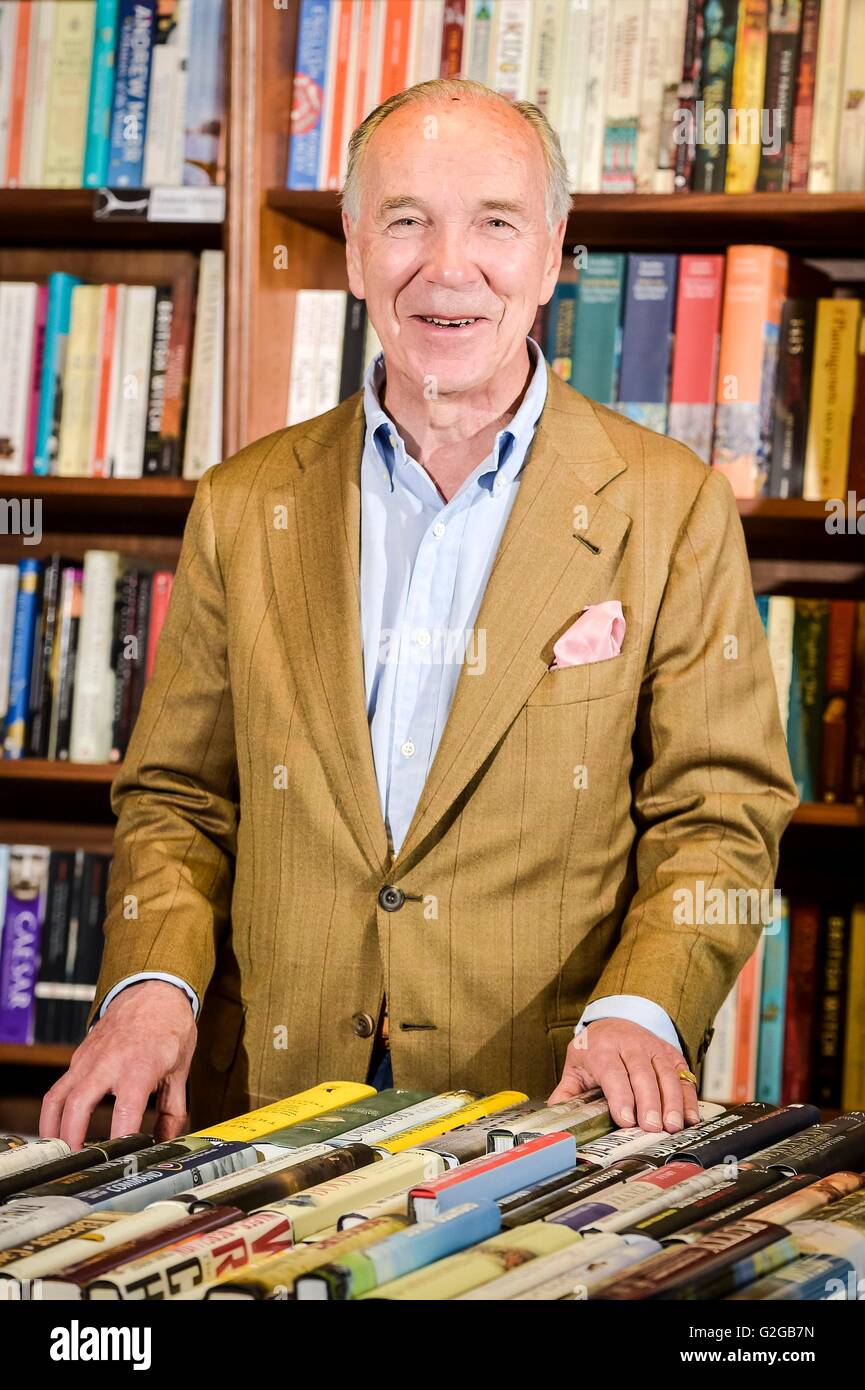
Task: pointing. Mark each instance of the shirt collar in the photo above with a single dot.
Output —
(506, 458)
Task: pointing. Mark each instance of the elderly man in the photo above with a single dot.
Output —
(363, 790)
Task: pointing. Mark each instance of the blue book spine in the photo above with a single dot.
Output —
(23, 634)
(136, 23)
(60, 287)
(307, 97)
(810, 1278)
(205, 93)
(773, 996)
(559, 344)
(98, 144)
(763, 610)
(523, 1167)
(420, 1245)
(646, 339)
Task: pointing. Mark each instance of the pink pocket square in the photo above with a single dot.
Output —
(596, 635)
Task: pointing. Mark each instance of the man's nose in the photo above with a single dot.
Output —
(448, 261)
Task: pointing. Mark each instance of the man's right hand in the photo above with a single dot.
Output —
(143, 1043)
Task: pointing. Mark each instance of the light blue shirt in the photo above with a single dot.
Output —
(424, 566)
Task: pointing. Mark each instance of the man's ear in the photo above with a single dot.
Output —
(353, 261)
(553, 262)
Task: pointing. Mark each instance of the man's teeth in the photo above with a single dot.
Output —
(447, 323)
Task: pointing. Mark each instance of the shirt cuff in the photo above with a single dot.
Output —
(152, 975)
(633, 1008)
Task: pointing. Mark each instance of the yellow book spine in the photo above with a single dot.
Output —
(749, 76)
(306, 1105)
(80, 382)
(275, 1275)
(69, 90)
(323, 1205)
(833, 390)
(469, 1269)
(477, 1110)
(853, 1090)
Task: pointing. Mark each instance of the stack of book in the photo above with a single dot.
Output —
(647, 96)
(341, 1193)
(77, 646)
(111, 92)
(793, 1026)
(756, 362)
(108, 380)
(817, 647)
(52, 906)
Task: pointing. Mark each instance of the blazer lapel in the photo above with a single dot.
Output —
(544, 573)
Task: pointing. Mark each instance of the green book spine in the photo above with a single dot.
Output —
(598, 327)
(347, 1117)
(805, 720)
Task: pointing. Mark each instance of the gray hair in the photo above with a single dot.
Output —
(438, 91)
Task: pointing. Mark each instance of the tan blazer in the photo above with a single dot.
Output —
(562, 812)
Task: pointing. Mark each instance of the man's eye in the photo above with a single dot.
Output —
(403, 221)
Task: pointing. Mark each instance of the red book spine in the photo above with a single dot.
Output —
(801, 1004)
(803, 108)
(99, 465)
(453, 30)
(839, 670)
(20, 65)
(159, 596)
(363, 41)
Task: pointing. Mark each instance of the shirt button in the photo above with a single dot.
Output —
(439, 530)
(391, 439)
(407, 748)
(422, 637)
(363, 1025)
(385, 475)
(390, 898)
(498, 484)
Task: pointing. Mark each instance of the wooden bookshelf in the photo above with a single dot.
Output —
(68, 217)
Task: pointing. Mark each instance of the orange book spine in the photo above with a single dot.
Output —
(747, 1020)
(15, 137)
(99, 460)
(363, 39)
(340, 93)
(160, 593)
(394, 68)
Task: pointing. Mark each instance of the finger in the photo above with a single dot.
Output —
(171, 1107)
(644, 1084)
(670, 1086)
(575, 1078)
(616, 1083)
(691, 1101)
(79, 1105)
(52, 1107)
(129, 1106)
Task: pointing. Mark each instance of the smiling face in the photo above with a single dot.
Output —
(452, 226)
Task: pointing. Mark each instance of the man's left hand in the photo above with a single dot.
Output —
(637, 1071)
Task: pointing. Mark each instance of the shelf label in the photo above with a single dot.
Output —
(205, 204)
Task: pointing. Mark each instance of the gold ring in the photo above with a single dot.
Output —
(685, 1075)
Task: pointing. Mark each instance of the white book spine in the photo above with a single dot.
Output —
(166, 111)
(851, 142)
(93, 688)
(480, 39)
(782, 616)
(546, 50)
(8, 601)
(350, 91)
(17, 332)
(329, 366)
(203, 446)
(569, 108)
(513, 49)
(304, 352)
(719, 1062)
(111, 434)
(375, 57)
(600, 28)
(80, 382)
(651, 96)
(753, 1023)
(8, 34)
(334, 23)
(828, 95)
(36, 111)
(131, 418)
(622, 103)
(428, 27)
(672, 61)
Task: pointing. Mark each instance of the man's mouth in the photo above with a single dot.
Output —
(440, 322)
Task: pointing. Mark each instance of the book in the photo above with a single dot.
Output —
(329, 1095)
(792, 397)
(850, 171)
(53, 953)
(739, 1141)
(160, 1180)
(14, 1183)
(749, 81)
(277, 1179)
(828, 96)
(696, 340)
(820, 1150)
(68, 90)
(474, 1109)
(622, 97)
(275, 1278)
(203, 124)
(166, 110)
(81, 1238)
(801, 1002)
(135, 351)
(136, 29)
(812, 1278)
(807, 695)
(57, 324)
(840, 645)
(598, 339)
(833, 388)
(803, 103)
(35, 1154)
(570, 1273)
(773, 990)
(93, 691)
(707, 1269)
(307, 94)
(41, 692)
(27, 609)
(18, 301)
(81, 381)
(494, 1175)
(829, 1052)
(583, 1117)
(470, 1140)
(469, 1269)
(715, 94)
(853, 1077)
(785, 20)
(66, 648)
(203, 443)
(747, 1024)
(646, 339)
(98, 141)
(321, 1206)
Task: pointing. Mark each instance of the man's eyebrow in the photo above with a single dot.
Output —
(406, 200)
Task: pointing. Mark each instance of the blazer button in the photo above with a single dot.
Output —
(390, 898)
(363, 1025)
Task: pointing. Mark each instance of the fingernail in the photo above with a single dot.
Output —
(653, 1119)
(627, 1118)
(674, 1119)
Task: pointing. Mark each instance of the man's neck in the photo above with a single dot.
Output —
(451, 435)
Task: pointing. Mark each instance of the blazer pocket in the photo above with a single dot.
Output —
(593, 680)
(561, 1035)
(221, 1027)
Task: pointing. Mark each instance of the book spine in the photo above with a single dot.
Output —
(598, 333)
(784, 34)
(749, 81)
(351, 378)
(453, 29)
(23, 638)
(561, 329)
(160, 596)
(71, 590)
(694, 373)
(38, 95)
(160, 341)
(123, 662)
(622, 100)
(17, 323)
(807, 690)
(93, 698)
(850, 174)
(204, 121)
(136, 24)
(747, 1025)
(853, 1078)
(344, 16)
(792, 397)
(545, 60)
(8, 605)
(57, 323)
(164, 145)
(329, 355)
(43, 651)
(21, 65)
(597, 64)
(203, 445)
(716, 89)
(19, 958)
(646, 339)
(307, 95)
(686, 102)
(801, 1003)
(857, 718)
(36, 367)
(130, 426)
(803, 106)
(829, 1064)
(513, 49)
(96, 151)
(81, 381)
(52, 967)
(839, 673)
(69, 90)
(833, 390)
(770, 1048)
(828, 95)
(100, 459)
